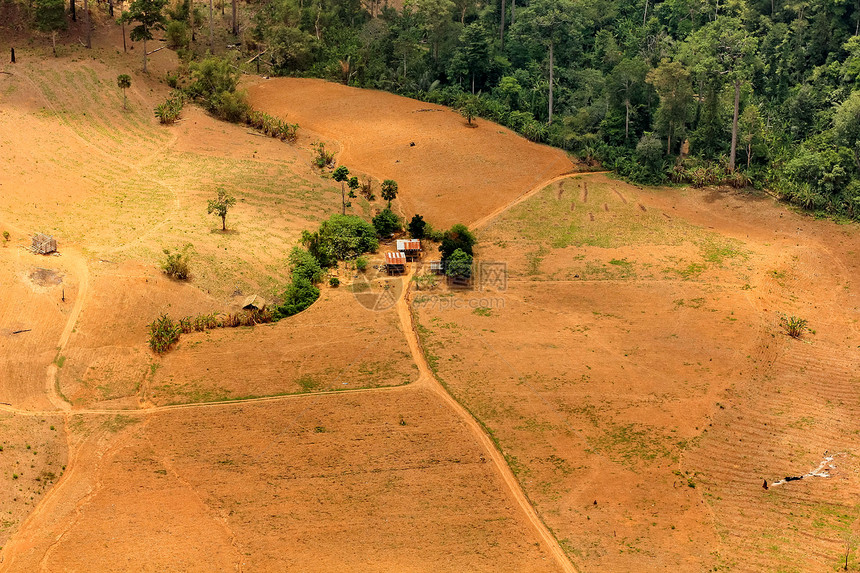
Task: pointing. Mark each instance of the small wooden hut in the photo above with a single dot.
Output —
(43, 244)
(437, 267)
(395, 263)
(409, 247)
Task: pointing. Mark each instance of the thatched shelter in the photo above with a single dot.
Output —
(253, 302)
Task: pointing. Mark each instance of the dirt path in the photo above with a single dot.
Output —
(483, 221)
(428, 379)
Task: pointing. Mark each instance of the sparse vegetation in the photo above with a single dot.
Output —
(170, 110)
(322, 158)
(794, 326)
(273, 127)
(220, 205)
(163, 333)
(176, 264)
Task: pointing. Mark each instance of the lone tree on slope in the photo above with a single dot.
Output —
(123, 81)
(220, 205)
(341, 174)
(389, 190)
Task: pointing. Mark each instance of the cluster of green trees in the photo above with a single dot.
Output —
(695, 91)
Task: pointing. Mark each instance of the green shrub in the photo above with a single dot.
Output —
(273, 126)
(169, 111)
(322, 158)
(177, 35)
(387, 222)
(163, 333)
(305, 265)
(361, 264)
(334, 282)
(299, 295)
(176, 264)
(230, 106)
(458, 237)
(794, 326)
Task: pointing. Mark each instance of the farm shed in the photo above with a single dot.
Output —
(395, 263)
(409, 247)
(437, 267)
(43, 244)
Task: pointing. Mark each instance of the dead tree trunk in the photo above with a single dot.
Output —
(235, 18)
(549, 122)
(87, 24)
(735, 126)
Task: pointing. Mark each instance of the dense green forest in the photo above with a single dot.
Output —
(762, 92)
(703, 92)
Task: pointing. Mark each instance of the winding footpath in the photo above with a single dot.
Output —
(426, 380)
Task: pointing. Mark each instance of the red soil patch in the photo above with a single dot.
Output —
(637, 362)
(363, 482)
(452, 174)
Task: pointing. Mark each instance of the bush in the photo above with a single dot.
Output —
(273, 126)
(334, 282)
(361, 264)
(366, 188)
(230, 106)
(387, 222)
(299, 295)
(794, 326)
(322, 158)
(305, 265)
(432, 234)
(177, 35)
(163, 332)
(176, 264)
(169, 111)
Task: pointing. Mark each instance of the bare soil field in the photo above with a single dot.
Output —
(387, 478)
(371, 482)
(635, 374)
(631, 368)
(446, 171)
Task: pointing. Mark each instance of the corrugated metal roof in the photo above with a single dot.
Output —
(396, 258)
(408, 245)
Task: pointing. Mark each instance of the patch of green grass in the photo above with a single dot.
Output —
(119, 422)
(717, 250)
(483, 311)
(308, 384)
(632, 443)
